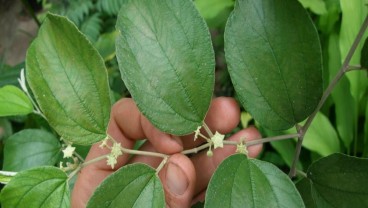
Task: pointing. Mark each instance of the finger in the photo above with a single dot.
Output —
(205, 166)
(178, 179)
(148, 160)
(223, 116)
(135, 126)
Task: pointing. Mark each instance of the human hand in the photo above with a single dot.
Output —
(184, 178)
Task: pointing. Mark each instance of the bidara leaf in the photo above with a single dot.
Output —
(336, 181)
(243, 182)
(274, 60)
(30, 148)
(13, 102)
(69, 80)
(134, 185)
(166, 60)
(41, 187)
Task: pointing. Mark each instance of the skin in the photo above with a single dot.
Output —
(184, 178)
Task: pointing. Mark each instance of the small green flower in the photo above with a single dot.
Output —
(197, 132)
(111, 160)
(218, 140)
(68, 151)
(116, 150)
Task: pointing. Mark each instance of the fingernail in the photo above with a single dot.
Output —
(176, 180)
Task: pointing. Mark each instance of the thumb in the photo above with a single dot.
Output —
(178, 179)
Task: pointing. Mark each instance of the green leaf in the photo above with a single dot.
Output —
(243, 182)
(211, 8)
(167, 62)
(339, 181)
(316, 6)
(304, 188)
(106, 45)
(366, 131)
(69, 80)
(110, 7)
(6, 176)
(41, 187)
(13, 102)
(91, 27)
(353, 15)
(321, 136)
(30, 148)
(343, 100)
(134, 185)
(364, 55)
(267, 44)
(9, 74)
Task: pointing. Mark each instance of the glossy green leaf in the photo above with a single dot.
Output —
(339, 181)
(316, 6)
(69, 80)
(321, 136)
(6, 176)
(364, 55)
(13, 101)
(134, 185)
(30, 148)
(267, 45)
(243, 182)
(41, 187)
(167, 62)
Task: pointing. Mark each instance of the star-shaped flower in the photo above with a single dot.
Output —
(241, 148)
(116, 150)
(68, 151)
(218, 140)
(111, 160)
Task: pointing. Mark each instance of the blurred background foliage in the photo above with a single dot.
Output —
(341, 125)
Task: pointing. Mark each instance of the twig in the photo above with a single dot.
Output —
(344, 68)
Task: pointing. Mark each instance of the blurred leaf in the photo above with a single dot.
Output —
(13, 101)
(106, 45)
(211, 8)
(77, 11)
(135, 185)
(167, 62)
(337, 181)
(110, 7)
(10, 75)
(316, 6)
(353, 15)
(321, 136)
(41, 187)
(69, 80)
(30, 148)
(343, 100)
(286, 149)
(267, 44)
(366, 132)
(5, 128)
(91, 27)
(329, 20)
(364, 56)
(245, 118)
(243, 182)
